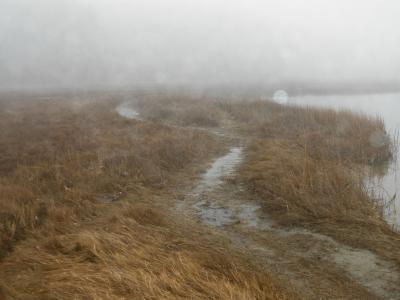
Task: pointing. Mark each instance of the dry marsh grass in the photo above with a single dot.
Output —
(328, 134)
(138, 255)
(301, 189)
(307, 165)
(180, 109)
(323, 195)
(62, 157)
(59, 156)
(58, 153)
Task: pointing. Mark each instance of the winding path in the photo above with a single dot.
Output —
(315, 264)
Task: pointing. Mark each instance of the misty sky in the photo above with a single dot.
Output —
(111, 42)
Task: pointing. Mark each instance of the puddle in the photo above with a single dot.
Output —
(219, 204)
(216, 204)
(222, 167)
(218, 215)
(248, 214)
(211, 204)
(214, 215)
(126, 111)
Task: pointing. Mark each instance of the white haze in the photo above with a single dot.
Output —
(61, 43)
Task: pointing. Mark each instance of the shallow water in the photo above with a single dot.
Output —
(222, 167)
(386, 106)
(215, 203)
(128, 112)
(209, 211)
(213, 214)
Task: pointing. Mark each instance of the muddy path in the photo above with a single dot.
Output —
(316, 265)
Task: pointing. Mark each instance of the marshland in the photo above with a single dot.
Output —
(199, 149)
(103, 198)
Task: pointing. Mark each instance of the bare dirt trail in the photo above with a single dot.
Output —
(315, 264)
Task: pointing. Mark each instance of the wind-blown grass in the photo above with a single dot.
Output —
(307, 167)
(61, 158)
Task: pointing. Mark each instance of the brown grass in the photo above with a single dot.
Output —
(301, 189)
(62, 156)
(308, 166)
(137, 255)
(58, 153)
(327, 133)
(59, 156)
(181, 109)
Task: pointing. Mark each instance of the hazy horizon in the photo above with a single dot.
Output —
(80, 43)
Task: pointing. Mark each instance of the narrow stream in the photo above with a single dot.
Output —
(386, 106)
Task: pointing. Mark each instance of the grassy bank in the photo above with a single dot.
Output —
(79, 187)
(307, 166)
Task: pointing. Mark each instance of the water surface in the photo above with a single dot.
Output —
(125, 110)
(221, 167)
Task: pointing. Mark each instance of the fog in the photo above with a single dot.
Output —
(75, 43)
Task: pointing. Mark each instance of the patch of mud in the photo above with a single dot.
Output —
(378, 276)
(365, 267)
(216, 213)
(224, 205)
(126, 111)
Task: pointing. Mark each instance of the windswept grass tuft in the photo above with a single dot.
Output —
(133, 257)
